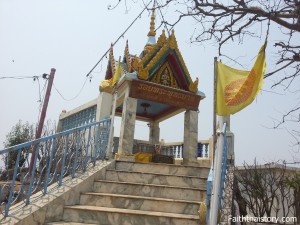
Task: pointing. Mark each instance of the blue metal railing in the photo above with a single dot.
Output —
(57, 156)
(222, 182)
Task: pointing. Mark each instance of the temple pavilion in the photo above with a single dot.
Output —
(152, 87)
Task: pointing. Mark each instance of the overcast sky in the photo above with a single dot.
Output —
(72, 35)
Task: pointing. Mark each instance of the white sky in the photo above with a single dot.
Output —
(72, 35)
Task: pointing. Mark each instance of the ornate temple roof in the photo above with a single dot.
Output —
(160, 62)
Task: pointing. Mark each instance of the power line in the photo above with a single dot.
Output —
(42, 93)
(22, 77)
(75, 95)
(88, 74)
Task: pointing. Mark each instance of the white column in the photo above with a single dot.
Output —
(104, 106)
(154, 132)
(190, 141)
(109, 150)
(128, 125)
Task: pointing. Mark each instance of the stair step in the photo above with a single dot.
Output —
(69, 223)
(139, 203)
(155, 178)
(161, 168)
(149, 190)
(113, 216)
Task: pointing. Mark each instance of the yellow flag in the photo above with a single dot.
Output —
(118, 73)
(238, 88)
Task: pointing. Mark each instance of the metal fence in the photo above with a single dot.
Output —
(59, 155)
(174, 149)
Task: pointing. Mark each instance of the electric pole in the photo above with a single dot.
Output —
(43, 116)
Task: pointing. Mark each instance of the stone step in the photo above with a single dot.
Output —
(114, 216)
(154, 178)
(69, 223)
(161, 168)
(149, 190)
(139, 203)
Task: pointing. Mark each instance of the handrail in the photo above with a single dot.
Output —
(59, 155)
(216, 179)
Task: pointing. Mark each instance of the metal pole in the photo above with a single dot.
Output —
(215, 109)
(213, 218)
(43, 116)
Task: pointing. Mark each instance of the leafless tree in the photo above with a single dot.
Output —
(233, 20)
(267, 190)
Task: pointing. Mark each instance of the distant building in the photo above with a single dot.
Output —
(270, 191)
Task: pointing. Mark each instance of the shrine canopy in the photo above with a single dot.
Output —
(158, 78)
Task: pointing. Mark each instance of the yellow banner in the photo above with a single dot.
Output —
(238, 88)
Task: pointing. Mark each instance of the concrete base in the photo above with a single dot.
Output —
(126, 158)
(205, 162)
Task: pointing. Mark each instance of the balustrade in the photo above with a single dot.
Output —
(59, 155)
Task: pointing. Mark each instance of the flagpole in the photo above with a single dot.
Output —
(215, 109)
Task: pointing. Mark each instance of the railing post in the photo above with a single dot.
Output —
(206, 150)
(87, 150)
(31, 173)
(76, 154)
(64, 160)
(49, 166)
(12, 184)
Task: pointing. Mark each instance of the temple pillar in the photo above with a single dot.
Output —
(190, 141)
(128, 125)
(104, 104)
(154, 132)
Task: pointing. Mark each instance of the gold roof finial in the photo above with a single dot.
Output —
(152, 22)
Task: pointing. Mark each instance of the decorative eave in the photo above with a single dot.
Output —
(160, 62)
(164, 49)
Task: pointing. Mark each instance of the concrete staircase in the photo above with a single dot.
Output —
(141, 194)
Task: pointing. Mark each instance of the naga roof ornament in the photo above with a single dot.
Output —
(127, 58)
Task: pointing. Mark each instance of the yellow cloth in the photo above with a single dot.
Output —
(143, 157)
(236, 89)
(202, 213)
